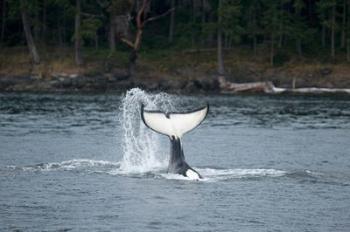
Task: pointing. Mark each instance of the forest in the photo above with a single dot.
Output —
(118, 33)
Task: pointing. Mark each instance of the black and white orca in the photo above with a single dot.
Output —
(175, 125)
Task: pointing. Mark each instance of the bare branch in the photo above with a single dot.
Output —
(128, 42)
(159, 16)
(140, 22)
(92, 15)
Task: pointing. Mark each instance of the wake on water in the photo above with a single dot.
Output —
(143, 154)
(114, 168)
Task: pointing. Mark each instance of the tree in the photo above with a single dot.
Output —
(28, 33)
(333, 28)
(36, 23)
(284, 18)
(44, 22)
(228, 25)
(251, 16)
(119, 17)
(172, 22)
(221, 68)
(271, 24)
(343, 26)
(3, 20)
(230, 20)
(348, 33)
(119, 24)
(297, 29)
(89, 29)
(77, 34)
(329, 8)
(112, 35)
(142, 10)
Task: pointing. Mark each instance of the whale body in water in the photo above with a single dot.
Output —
(175, 125)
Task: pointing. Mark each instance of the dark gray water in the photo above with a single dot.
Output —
(271, 163)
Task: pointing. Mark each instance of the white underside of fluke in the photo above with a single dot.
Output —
(192, 175)
(176, 124)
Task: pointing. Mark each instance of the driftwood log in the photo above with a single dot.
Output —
(230, 87)
(270, 88)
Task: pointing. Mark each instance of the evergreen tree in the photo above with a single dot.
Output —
(271, 22)
(24, 6)
(251, 16)
(348, 32)
(328, 14)
(298, 30)
(201, 24)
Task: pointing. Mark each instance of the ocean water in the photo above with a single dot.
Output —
(87, 163)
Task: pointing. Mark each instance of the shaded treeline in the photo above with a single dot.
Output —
(302, 27)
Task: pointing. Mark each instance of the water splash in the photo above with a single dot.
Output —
(141, 146)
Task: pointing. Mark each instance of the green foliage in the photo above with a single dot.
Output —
(251, 13)
(196, 24)
(209, 28)
(296, 27)
(90, 27)
(324, 8)
(230, 11)
(272, 17)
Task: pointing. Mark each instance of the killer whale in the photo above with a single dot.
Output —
(175, 125)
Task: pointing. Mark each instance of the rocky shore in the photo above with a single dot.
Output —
(245, 79)
(62, 82)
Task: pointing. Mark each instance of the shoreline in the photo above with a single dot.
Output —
(73, 83)
(176, 72)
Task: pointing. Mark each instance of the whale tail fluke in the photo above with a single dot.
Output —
(173, 124)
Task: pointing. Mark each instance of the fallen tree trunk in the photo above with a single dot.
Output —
(257, 87)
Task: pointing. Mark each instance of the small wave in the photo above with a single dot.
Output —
(73, 164)
(303, 174)
(313, 177)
